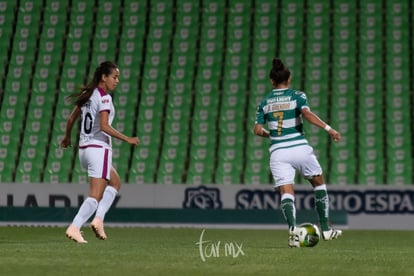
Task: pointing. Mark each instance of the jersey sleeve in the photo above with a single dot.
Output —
(301, 100)
(105, 103)
(260, 116)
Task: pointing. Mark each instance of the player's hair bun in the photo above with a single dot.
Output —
(279, 73)
(278, 64)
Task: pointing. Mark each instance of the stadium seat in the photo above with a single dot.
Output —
(142, 173)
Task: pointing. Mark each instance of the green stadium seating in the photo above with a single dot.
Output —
(342, 167)
(15, 95)
(191, 76)
(291, 33)
(78, 174)
(143, 167)
(107, 27)
(126, 94)
(6, 30)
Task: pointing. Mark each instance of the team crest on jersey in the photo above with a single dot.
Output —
(105, 101)
(301, 94)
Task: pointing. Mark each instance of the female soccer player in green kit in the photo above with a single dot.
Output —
(283, 109)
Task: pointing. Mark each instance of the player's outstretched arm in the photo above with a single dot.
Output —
(315, 120)
(108, 129)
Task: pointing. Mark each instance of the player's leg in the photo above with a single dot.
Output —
(86, 210)
(312, 170)
(321, 200)
(95, 160)
(322, 207)
(287, 203)
(283, 175)
(109, 195)
(108, 198)
(289, 212)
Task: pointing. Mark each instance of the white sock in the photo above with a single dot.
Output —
(320, 188)
(106, 201)
(287, 196)
(86, 210)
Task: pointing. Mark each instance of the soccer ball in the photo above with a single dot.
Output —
(309, 235)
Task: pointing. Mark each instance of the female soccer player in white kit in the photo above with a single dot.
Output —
(94, 106)
(282, 109)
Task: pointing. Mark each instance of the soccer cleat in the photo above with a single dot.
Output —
(293, 240)
(75, 234)
(98, 228)
(331, 234)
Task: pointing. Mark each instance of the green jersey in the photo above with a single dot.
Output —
(282, 111)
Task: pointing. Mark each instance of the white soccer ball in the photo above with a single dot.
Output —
(309, 235)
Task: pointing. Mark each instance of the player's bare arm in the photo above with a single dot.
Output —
(260, 131)
(315, 120)
(108, 129)
(66, 141)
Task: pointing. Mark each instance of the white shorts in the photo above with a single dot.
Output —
(285, 162)
(97, 161)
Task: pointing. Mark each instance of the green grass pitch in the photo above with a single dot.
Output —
(176, 251)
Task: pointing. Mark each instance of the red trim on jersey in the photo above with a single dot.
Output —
(91, 146)
(105, 164)
(102, 92)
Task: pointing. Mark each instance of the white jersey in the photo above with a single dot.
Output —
(91, 133)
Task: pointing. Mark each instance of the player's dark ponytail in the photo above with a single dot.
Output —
(105, 68)
(279, 72)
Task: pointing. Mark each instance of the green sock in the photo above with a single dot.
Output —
(289, 211)
(322, 207)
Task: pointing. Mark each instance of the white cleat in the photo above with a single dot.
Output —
(75, 234)
(331, 234)
(98, 228)
(293, 240)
